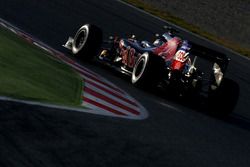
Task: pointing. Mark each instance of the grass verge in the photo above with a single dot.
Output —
(27, 72)
(195, 29)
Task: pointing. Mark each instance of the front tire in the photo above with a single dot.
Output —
(87, 41)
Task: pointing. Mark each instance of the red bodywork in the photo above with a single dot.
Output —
(168, 49)
(177, 65)
(170, 52)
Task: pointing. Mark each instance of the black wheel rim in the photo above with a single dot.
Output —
(81, 39)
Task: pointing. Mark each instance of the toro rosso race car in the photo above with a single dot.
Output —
(167, 62)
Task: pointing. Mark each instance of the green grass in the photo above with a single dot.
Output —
(195, 29)
(27, 72)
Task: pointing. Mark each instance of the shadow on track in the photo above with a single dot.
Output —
(219, 105)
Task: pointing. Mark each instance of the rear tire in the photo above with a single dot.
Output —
(223, 100)
(147, 71)
(87, 41)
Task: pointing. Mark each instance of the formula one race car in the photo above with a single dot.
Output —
(167, 62)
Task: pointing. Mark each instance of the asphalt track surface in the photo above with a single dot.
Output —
(175, 134)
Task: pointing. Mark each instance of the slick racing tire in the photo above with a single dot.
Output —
(87, 41)
(223, 100)
(147, 70)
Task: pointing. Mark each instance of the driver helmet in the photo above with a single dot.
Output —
(158, 42)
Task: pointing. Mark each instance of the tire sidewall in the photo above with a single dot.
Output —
(144, 58)
(76, 49)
